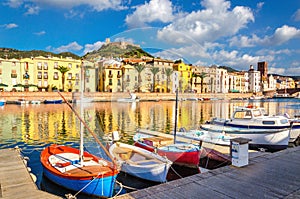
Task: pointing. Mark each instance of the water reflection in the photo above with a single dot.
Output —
(32, 127)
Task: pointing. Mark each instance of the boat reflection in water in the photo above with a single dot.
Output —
(36, 126)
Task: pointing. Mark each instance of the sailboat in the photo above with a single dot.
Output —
(78, 170)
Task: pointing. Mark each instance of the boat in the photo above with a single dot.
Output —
(2, 102)
(205, 136)
(91, 174)
(21, 102)
(78, 170)
(140, 163)
(180, 153)
(265, 131)
(132, 98)
(282, 95)
(35, 102)
(54, 101)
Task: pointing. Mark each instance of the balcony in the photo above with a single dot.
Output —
(39, 76)
(45, 76)
(14, 75)
(110, 75)
(119, 76)
(55, 77)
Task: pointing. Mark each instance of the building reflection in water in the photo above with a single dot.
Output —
(58, 124)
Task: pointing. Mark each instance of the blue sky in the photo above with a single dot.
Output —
(236, 33)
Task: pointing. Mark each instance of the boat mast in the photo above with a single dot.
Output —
(81, 114)
(176, 104)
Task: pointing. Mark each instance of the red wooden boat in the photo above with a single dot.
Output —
(180, 153)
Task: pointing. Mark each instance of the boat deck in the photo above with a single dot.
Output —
(269, 175)
(15, 180)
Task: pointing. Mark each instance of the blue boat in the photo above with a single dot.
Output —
(53, 101)
(2, 102)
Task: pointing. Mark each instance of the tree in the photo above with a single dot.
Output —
(139, 68)
(169, 72)
(63, 70)
(194, 75)
(202, 76)
(154, 71)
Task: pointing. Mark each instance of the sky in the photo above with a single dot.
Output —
(236, 33)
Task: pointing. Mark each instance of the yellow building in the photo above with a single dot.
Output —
(185, 75)
(110, 76)
(49, 78)
(16, 75)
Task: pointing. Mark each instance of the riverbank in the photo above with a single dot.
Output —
(100, 96)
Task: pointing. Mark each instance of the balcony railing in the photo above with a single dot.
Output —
(110, 75)
(14, 75)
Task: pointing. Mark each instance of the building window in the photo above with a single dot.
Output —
(39, 83)
(39, 76)
(119, 82)
(13, 74)
(55, 76)
(55, 65)
(70, 65)
(77, 76)
(39, 66)
(45, 83)
(45, 75)
(70, 76)
(110, 82)
(0, 71)
(45, 66)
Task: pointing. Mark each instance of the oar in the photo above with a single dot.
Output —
(89, 130)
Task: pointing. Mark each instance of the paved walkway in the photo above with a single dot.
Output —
(271, 175)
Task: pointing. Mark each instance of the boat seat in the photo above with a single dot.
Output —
(124, 153)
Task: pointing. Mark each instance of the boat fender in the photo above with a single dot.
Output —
(33, 177)
(115, 136)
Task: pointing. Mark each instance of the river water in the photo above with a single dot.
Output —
(33, 127)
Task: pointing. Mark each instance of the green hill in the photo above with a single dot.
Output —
(10, 53)
(117, 49)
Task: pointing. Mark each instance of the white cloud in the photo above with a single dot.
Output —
(32, 10)
(74, 46)
(40, 33)
(97, 5)
(296, 16)
(92, 47)
(279, 71)
(10, 26)
(155, 10)
(210, 24)
(14, 3)
(280, 36)
(259, 6)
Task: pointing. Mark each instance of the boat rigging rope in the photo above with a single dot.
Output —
(127, 187)
(70, 196)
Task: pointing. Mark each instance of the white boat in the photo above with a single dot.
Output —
(35, 102)
(265, 131)
(132, 98)
(205, 136)
(140, 162)
(83, 100)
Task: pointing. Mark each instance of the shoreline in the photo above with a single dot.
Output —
(105, 96)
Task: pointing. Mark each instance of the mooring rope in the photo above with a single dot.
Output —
(70, 196)
(176, 172)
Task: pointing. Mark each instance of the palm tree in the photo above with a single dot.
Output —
(154, 71)
(202, 76)
(194, 75)
(63, 70)
(139, 68)
(169, 72)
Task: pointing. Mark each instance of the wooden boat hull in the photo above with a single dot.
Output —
(98, 178)
(189, 158)
(141, 163)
